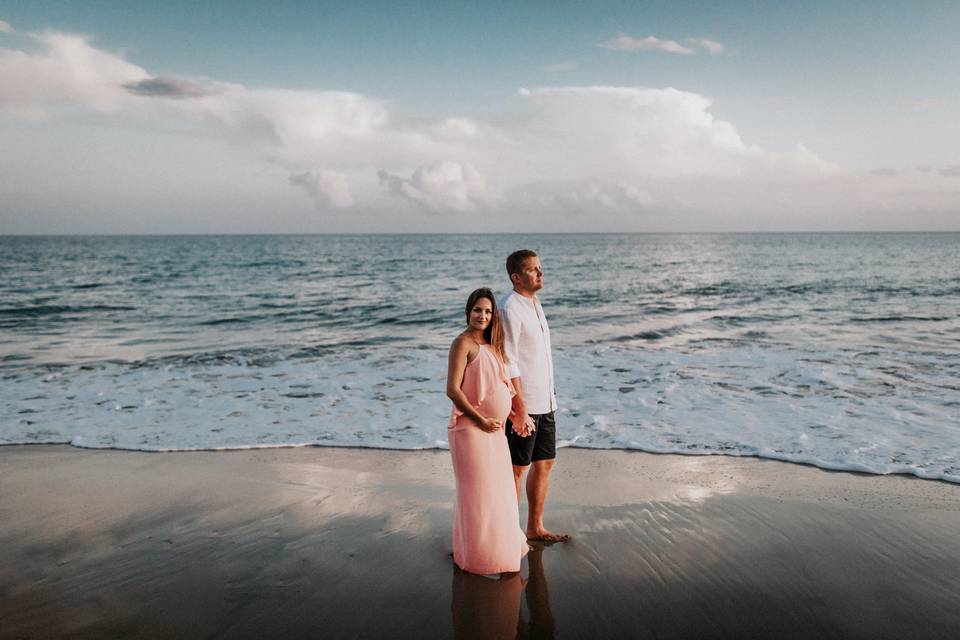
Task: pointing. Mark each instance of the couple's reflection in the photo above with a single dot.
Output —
(487, 608)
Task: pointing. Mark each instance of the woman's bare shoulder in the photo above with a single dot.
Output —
(463, 345)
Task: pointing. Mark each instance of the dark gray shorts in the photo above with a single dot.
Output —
(542, 445)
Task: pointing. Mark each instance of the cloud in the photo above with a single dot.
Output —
(452, 128)
(68, 71)
(169, 87)
(5, 27)
(71, 71)
(560, 67)
(712, 47)
(624, 42)
(951, 171)
(572, 197)
(327, 188)
(631, 157)
(443, 186)
(291, 129)
(884, 172)
(654, 133)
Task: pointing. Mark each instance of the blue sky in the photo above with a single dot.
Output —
(868, 90)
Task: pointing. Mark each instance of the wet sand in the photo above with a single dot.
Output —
(339, 543)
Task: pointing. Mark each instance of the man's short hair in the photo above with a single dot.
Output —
(515, 260)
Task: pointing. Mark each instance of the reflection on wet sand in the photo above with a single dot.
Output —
(488, 608)
(538, 601)
(301, 543)
(485, 607)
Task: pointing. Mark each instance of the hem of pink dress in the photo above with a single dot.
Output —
(487, 572)
(497, 568)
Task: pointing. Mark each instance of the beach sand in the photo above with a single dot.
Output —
(342, 543)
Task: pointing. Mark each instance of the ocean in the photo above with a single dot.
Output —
(836, 350)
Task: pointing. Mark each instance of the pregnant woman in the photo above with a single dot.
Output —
(487, 537)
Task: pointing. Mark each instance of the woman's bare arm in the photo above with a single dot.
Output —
(456, 365)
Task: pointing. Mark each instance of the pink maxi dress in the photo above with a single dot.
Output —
(487, 537)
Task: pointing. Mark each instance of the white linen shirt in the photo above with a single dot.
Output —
(527, 346)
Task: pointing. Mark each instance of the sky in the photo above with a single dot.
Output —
(305, 117)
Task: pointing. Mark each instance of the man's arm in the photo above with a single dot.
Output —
(511, 347)
(521, 422)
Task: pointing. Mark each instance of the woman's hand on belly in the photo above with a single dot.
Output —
(490, 424)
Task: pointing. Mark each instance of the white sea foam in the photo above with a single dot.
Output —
(879, 412)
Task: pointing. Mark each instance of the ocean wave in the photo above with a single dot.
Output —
(903, 318)
(650, 335)
(878, 410)
(259, 264)
(827, 287)
(424, 318)
(758, 320)
(241, 356)
(50, 310)
(724, 288)
(216, 322)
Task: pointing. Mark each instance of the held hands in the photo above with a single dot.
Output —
(523, 425)
(530, 425)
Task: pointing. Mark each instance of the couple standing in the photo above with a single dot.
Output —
(500, 379)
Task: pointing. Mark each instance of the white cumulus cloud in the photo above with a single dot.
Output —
(575, 196)
(5, 27)
(624, 42)
(635, 157)
(327, 188)
(443, 186)
(712, 47)
(69, 71)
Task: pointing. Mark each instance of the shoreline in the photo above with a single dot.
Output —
(312, 445)
(347, 542)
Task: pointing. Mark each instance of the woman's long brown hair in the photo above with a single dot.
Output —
(493, 333)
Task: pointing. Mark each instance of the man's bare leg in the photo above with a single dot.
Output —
(518, 478)
(537, 483)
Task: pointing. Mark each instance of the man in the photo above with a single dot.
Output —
(530, 367)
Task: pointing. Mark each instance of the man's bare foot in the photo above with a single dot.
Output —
(547, 537)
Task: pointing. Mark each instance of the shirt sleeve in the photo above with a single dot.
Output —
(510, 323)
